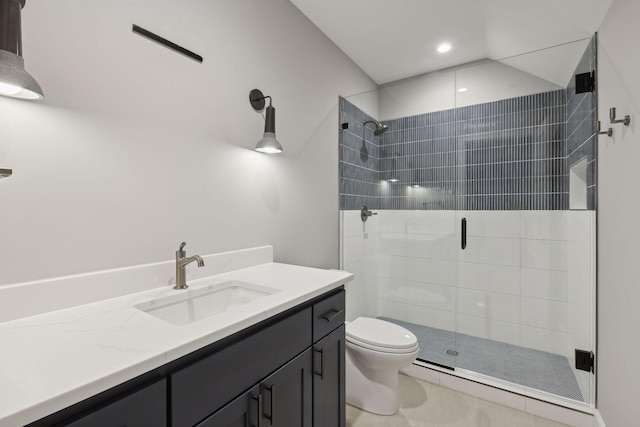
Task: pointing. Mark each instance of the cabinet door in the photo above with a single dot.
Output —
(287, 394)
(146, 407)
(242, 412)
(204, 387)
(328, 380)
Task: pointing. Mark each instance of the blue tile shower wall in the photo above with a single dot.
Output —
(512, 154)
(508, 154)
(581, 117)
(359, 160)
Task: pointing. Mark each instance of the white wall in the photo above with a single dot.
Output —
(136, 148)
(618, 203)
(485, 81)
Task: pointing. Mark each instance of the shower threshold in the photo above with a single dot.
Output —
(535, 369)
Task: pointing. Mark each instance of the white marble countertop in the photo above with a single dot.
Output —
(53, 360)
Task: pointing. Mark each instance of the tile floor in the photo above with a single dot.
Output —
(531, 368)
(423, 404)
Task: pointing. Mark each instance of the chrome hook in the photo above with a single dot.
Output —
(608, 132)
(612, 116)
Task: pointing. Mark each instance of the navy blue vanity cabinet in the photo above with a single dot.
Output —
(206, 385)
(283, 399)
(286, 371)
(144, 405)
(329, 362)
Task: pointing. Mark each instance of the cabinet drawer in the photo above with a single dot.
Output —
(328, 314)
(205, 386)
(146, 407)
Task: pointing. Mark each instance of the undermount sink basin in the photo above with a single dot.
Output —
(197, 304)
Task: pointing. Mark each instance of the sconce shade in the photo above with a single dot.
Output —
(15, 81)
(269, 144)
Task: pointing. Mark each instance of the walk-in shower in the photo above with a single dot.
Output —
(484, 240)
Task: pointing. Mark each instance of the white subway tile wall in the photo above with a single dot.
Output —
(359, 255)
(525, 277)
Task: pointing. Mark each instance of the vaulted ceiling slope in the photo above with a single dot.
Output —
(396, 39)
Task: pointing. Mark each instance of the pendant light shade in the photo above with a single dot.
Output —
(15, 81)
(268, 144)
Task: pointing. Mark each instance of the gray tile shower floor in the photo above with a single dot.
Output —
(531, 368)
(423, 404)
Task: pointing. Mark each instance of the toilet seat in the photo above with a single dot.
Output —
(380, 335)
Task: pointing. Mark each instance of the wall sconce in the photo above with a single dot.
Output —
(268, 144)
(15, 82)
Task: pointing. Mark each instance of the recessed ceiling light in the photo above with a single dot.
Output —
(444, 47)
(393, 180)
(463, 89)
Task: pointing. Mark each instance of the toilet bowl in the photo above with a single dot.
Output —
(376, 350)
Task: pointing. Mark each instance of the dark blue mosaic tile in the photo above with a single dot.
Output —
(508, 154)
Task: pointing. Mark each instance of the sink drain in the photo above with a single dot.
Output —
(452, 352)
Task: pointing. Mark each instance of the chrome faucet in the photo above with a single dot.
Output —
(181, 266)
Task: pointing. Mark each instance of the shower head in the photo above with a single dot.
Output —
(380, 128)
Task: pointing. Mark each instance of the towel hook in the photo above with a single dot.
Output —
(612, 116)
(599, 131)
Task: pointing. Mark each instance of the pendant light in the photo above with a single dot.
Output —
(15, 81)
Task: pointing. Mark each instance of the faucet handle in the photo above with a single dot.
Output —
(181, 252)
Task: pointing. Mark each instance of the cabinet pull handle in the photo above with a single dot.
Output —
(464, 233)
(259, 399)
(321, 373)
(272, 390)
(333, 316)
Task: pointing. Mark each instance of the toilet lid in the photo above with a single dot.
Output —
(379, 333)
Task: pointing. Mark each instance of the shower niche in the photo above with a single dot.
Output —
(578, 185)
(484, 186)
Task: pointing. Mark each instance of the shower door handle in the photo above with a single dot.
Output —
(464, 234)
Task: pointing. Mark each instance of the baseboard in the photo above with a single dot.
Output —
(597, 419)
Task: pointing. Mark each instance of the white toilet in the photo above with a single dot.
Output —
(376, 350)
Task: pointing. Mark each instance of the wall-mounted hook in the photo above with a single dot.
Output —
(612, 116)
(608, 132)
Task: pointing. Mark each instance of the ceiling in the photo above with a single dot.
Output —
(396, 39)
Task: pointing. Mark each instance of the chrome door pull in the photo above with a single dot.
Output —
(333, 316)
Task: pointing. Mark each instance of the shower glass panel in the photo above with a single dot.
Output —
(479, 246)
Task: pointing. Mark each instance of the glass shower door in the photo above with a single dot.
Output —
(526, 281)
(479, 246)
